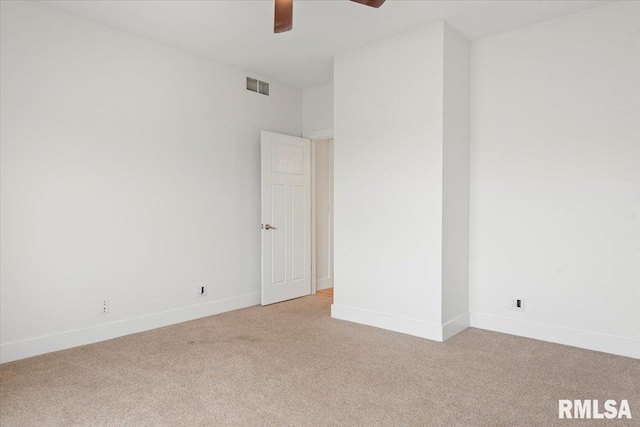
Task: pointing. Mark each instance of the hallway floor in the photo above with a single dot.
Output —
(326, 293)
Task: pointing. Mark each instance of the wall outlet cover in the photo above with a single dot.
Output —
(516, 303)
(201, 290)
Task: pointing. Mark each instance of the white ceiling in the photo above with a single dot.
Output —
(240, 33)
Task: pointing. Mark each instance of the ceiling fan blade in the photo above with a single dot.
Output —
(372, 3)
(283, 17)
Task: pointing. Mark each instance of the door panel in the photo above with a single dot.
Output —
(297, 232)
(278, 209)
(286, 217)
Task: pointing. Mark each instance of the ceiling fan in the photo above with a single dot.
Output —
(284, 13)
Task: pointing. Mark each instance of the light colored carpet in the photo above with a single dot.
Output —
(290, 364)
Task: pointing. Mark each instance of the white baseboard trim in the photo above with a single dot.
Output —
(455, 326)
(621, 346)
(64, 340)
(413, 327)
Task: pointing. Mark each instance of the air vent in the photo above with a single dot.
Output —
(263, 88)
(258, 86)
(252, 84)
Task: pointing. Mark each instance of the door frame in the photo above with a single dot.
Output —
(316, 136)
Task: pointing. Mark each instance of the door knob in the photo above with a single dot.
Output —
(270, 227)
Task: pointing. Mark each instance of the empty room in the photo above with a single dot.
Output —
(319, 213)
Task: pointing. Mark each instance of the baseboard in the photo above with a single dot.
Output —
(413, 327)
(583, 339)
(455, 326)
(64, 340)
(324, 284)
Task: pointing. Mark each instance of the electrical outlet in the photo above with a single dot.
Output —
(516, 304)
(105, 306)
(201, 290)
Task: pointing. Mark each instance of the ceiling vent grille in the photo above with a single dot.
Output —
(258, 86)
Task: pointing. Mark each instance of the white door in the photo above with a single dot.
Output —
(286, 217)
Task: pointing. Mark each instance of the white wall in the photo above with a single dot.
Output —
(317, 108)
(130, 171)
(555, 172)
(323, 183)
(455, 194)
(388, 183)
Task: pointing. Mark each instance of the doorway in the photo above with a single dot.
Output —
(297, 217)
(322, 217)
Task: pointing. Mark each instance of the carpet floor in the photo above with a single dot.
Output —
(290, 364)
